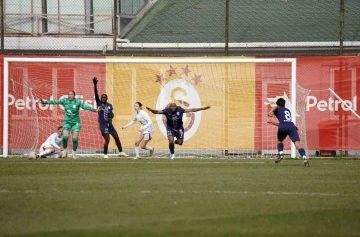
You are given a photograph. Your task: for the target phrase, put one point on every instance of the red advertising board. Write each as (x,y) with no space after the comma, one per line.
(328,96)
(30,122)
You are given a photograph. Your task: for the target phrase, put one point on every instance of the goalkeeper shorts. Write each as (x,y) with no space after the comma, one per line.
(72,127)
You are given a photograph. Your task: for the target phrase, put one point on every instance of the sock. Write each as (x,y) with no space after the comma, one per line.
(172,148)
(106,146)
(106,143)
(75,143)
(148,148)
(43,153)
(65,141)
(118,144)
(137,150)
(280,147)
(302,152)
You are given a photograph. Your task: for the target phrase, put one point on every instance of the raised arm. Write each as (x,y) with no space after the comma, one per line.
(154,111)
(196,109)
(97,98)
(52,102)
(271,112)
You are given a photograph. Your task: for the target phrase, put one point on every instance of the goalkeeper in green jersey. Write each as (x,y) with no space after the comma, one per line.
(72,121)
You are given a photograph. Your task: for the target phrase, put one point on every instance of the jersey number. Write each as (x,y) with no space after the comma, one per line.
(287,115)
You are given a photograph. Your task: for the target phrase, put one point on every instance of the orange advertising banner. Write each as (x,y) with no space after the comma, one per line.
(190,86)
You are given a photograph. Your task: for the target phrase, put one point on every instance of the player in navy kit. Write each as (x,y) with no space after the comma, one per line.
(105,120)
(286,128)
(174,124)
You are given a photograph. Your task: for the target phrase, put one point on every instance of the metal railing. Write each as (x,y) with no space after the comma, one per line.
(31,24)
(162,27)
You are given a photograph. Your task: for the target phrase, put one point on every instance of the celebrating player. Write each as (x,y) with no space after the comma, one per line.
(48,148)
(72,121)
(174,124)
(146,131)
(105,120)
(286,128)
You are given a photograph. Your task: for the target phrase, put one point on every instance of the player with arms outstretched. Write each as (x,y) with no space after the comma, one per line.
(72,121)
(106,115)
(174,124)
(286,128)
(146,131)
(48,148)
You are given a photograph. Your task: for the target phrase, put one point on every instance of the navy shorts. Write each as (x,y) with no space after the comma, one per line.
(178,132)
(290,131)
(107,129)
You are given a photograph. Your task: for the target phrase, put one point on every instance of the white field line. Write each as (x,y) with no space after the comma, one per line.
(249,192)
(133,162)
(115,157)
(147,161)
(185,192)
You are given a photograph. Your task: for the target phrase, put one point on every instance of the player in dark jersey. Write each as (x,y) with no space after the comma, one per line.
(174,124)
(106,115)
(286,128)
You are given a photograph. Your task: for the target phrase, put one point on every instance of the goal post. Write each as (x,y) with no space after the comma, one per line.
(167,77)
(5,148)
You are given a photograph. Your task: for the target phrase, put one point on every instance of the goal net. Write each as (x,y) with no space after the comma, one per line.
(240,92)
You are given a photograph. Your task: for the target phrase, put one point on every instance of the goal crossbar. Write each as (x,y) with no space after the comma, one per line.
(7,60)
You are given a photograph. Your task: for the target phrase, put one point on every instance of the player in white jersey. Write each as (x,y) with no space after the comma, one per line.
(146,131)
(51,148)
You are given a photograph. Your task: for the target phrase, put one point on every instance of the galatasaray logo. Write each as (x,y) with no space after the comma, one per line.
(185,95)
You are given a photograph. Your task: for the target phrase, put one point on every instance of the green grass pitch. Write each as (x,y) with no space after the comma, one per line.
(186,197)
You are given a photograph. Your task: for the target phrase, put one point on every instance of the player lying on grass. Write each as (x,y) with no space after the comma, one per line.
(286,128)
(51,148)
(106,115)
(72,121)
(146,131)
(174,124)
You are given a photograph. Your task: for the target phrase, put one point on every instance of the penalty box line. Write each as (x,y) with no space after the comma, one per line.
(271,193)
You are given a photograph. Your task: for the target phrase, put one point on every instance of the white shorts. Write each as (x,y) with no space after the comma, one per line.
(148,135)
(44,145)
(51,155)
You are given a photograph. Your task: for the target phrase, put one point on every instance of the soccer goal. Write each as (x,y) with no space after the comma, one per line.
(239,90)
